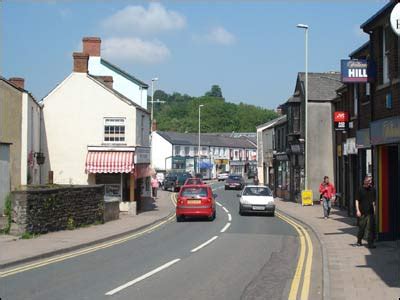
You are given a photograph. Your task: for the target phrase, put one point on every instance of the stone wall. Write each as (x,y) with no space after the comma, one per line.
(111,210)
(42,209)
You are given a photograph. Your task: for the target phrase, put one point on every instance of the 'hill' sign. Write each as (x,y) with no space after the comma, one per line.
(354,70)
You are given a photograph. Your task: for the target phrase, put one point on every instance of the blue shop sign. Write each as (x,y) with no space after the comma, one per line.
(385,131)
(355,70)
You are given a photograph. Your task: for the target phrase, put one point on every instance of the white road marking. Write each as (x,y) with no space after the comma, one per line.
(204,244)
(147,275)
(223,207)
(219,204)
(229,217)
(225,227)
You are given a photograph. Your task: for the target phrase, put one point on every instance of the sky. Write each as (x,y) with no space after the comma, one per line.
(251,49)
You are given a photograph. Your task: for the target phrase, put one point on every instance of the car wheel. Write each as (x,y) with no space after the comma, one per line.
(273,214)
(226,188)
(212,218)
(179,219)
(240,210)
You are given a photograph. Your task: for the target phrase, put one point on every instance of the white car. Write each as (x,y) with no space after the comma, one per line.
(256,199)
(222,176)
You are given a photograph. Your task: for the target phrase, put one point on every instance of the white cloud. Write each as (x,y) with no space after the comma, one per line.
(135,50)
(217,35)
(137,19)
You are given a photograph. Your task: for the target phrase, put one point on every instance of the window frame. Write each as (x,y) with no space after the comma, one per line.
(112,120)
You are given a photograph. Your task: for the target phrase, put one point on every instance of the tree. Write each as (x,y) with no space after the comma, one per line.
(214,92)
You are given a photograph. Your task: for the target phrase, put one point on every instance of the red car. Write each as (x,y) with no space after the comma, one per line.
(195,201)
(193,181)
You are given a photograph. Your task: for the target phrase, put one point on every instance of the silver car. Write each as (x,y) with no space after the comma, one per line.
(256,199)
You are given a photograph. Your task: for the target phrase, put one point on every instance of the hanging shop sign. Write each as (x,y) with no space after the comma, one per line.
(395,19)
(354,70)
(363,138)
(341,120)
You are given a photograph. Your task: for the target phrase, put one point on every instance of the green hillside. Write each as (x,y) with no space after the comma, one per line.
(180,113)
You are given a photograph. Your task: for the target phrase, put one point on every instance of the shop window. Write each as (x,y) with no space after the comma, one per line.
(114,130)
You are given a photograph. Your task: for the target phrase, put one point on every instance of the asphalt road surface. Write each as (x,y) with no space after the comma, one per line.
(254,258)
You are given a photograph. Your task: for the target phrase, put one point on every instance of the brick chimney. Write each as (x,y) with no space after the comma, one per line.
(80,62)
(91,46)
(17,81)
(107,80)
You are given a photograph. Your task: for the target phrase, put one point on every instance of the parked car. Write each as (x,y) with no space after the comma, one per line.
(195,201)
(174,181)
(222,176)
(193,181)
(256,199)
(234,182)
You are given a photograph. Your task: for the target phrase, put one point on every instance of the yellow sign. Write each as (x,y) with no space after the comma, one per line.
(307,197)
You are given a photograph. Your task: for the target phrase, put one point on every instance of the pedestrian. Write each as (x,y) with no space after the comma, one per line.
(256,181)
(365,210)
(154,185)
(327,192)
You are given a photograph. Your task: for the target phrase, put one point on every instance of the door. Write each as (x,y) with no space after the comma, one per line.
(5,182)
(394,201)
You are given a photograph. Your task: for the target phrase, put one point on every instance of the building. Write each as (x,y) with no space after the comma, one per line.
(352,146)
(266,150)
(20,155)
(291,143)
(179,151)
(93,134)
(125,83)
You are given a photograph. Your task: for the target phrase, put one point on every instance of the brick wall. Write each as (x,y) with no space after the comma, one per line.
(42,210)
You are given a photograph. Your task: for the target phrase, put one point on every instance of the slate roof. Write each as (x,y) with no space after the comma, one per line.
(384,10)
(124,73)
(321,86)
(192,139)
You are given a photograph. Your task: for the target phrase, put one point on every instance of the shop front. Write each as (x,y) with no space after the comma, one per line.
(282,178)
(385,139)
(237,167)
(221,165)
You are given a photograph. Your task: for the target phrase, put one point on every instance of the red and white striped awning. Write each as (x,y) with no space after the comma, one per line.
(109,162)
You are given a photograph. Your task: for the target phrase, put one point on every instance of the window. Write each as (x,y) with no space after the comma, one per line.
(114,130)
(196,149)
(355,98)
(177,150)
(389,101)
(385,52)
(187,150)
(204,150)
(142,131)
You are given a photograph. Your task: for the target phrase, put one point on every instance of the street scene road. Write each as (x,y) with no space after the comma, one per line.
(254,257)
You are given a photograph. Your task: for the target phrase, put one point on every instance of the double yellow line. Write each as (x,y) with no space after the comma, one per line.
(105,245)
(304,262)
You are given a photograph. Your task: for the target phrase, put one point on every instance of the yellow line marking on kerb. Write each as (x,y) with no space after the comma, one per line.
(105,245)
(305,242)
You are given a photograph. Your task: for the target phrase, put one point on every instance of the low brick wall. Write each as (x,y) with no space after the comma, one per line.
(43,209)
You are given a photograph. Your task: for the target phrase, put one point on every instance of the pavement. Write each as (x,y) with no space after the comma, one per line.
(350,272)
(15,251)
(232,257)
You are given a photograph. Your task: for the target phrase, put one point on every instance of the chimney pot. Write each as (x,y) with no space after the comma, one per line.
(91,46)
(107,80)
(80,62)
(18,82)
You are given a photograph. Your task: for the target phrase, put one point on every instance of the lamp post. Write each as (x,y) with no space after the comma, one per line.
(305,27)
(152,100)
(198,151)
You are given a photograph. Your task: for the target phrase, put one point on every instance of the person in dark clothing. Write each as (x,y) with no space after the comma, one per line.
(365,209)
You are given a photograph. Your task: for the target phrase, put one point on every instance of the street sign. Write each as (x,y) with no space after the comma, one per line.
(395,19)
(307,198)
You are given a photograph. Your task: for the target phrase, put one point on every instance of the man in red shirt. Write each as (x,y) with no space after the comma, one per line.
(327,192)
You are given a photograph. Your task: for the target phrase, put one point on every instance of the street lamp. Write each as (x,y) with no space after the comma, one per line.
(198,151)
(152,99)
(305,27)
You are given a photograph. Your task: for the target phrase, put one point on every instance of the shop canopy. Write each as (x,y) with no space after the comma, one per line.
(109,162)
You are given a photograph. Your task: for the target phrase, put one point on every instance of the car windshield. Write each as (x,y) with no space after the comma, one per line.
(257,191)
(235,177)
(194,192)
